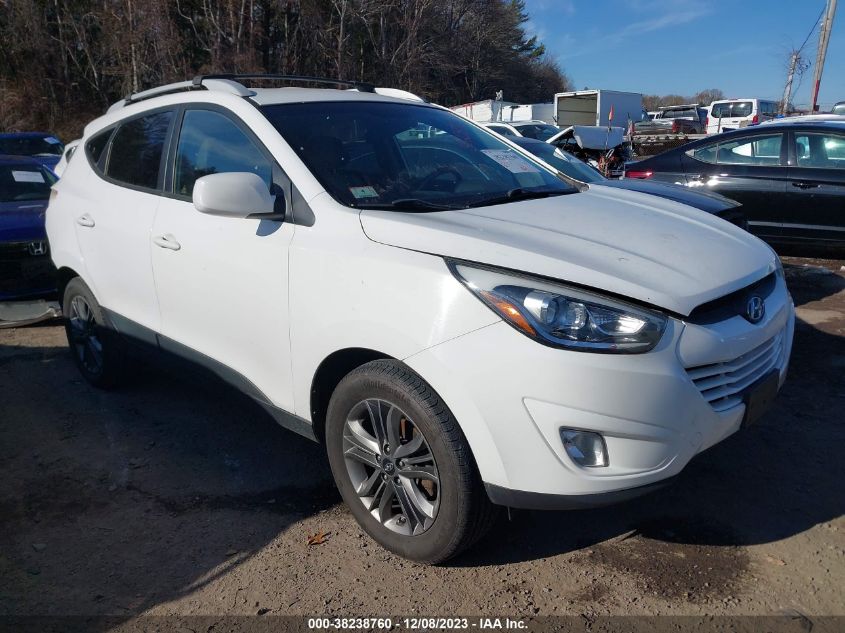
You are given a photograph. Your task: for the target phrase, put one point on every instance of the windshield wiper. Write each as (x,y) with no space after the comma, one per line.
(410,204)
(519,194)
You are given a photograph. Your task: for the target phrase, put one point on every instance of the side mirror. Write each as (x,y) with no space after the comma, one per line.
(234,195)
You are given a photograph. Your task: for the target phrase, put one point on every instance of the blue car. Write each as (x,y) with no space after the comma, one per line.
(43,147)
(26,269)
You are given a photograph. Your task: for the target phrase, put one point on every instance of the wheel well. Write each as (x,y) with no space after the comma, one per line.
(64,276)
(329,374)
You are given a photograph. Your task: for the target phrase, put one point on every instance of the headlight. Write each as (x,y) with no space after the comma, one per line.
(561,316)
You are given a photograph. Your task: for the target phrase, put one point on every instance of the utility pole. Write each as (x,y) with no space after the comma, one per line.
(787,91)
(824,39)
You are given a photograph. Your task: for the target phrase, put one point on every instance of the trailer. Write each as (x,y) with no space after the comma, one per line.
(485,111)
(593,107)
(490,110)
(529,112)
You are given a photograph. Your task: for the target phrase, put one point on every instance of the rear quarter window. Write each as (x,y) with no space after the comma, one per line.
(95,148)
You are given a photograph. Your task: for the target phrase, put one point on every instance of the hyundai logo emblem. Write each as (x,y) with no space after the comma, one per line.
(37,248)
(755,309)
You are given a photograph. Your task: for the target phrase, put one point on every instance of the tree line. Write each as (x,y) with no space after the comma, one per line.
(705,98)
(62,62)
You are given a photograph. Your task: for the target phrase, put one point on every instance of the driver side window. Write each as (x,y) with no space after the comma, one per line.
(211,143)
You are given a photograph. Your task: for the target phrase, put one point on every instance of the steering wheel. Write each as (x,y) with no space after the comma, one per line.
(445,170)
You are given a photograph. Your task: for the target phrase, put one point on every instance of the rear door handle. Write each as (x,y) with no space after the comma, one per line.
(85,220)
(167,241)
(805,185)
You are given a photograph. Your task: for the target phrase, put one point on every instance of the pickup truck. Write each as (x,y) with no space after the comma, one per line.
(680,119)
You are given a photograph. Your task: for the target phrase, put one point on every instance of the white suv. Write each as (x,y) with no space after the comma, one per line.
(461,326)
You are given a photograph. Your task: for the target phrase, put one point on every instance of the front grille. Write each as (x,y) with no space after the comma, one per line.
(14,251)
(722,384)
(22,272)
(733,304)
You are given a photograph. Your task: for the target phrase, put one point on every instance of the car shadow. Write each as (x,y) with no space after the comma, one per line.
(114,502)
(765,483)
(811,283)
(145,494)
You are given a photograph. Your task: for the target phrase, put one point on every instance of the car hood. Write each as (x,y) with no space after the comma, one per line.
(22,221)
(705,200)
(650,249)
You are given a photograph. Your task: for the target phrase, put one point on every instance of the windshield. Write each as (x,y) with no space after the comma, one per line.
(31,146)
(24,182)
(731,109)
(563,161)
(408,157)
(540,131)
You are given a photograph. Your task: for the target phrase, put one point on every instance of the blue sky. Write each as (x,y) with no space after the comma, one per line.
(683,46)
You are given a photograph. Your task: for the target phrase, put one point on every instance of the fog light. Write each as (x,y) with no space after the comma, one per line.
(584,447)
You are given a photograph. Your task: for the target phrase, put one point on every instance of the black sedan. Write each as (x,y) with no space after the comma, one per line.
(789,178)
(575,168)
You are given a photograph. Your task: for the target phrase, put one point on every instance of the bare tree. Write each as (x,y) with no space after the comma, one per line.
(63,61)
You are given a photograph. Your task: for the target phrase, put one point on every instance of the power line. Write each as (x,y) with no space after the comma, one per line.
(812,30)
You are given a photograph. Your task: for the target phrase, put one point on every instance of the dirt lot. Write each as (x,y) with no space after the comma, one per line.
(177,496)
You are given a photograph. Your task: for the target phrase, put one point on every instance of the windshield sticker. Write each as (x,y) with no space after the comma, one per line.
(27,176)
(511,161)
(52,140)
(363,192)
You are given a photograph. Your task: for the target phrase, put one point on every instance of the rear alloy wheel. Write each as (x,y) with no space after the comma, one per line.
(84,342)
(402,464)
(95,349)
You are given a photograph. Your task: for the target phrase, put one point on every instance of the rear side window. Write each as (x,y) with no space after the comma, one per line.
(137,148)
(823,151)
(759,150)
(732,109)
(211,143)
(679,114)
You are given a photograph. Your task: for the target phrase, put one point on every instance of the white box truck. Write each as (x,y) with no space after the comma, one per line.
(592,107)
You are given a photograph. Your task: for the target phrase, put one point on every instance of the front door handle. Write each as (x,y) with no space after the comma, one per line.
(167,241)
(85,220)
(805,185)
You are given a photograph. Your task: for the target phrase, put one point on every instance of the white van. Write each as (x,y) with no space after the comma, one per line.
(730,114)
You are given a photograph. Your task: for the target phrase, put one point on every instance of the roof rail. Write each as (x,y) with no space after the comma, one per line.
(359,85)
(182,86)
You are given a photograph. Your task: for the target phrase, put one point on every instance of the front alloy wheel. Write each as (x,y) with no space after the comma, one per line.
(391,467)
(403,465)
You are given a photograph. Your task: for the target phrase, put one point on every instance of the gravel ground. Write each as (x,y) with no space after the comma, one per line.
(175,495)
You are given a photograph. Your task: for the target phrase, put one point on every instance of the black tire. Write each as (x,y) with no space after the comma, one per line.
(464,513)
(96,349)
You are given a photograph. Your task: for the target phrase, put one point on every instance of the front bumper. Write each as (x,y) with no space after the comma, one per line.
(512,396)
